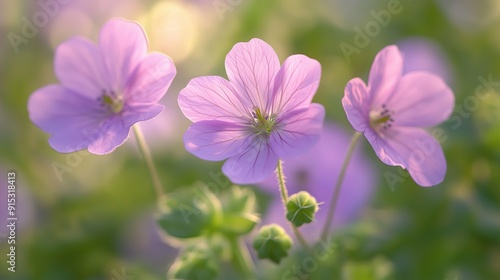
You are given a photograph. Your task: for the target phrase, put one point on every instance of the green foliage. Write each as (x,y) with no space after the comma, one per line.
(185,215)
(239,211)
(194,212)
(196,262)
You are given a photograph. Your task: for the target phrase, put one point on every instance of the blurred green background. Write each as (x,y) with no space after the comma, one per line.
(84,216)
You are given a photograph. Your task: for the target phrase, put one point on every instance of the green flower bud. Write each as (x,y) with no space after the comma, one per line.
(272,243)
(301,208)
(189,212)
(196,262)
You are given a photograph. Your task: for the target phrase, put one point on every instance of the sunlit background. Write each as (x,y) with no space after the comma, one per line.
(82,216)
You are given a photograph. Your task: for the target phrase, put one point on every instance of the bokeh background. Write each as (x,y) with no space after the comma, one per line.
(83,216)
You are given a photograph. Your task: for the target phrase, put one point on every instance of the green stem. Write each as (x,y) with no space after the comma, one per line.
(143,147)
(284,198)
(241,258)
(338,185)
(282,184)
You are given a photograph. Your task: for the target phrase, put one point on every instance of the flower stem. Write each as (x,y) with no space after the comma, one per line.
(241,257)
(284,198)
(143,147)
(338,185)
(282,183)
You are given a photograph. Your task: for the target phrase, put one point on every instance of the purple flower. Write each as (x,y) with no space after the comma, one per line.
(316,172)
(262,114)
(104,89)
(392,110)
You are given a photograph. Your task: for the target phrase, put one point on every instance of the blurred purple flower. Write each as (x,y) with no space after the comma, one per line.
(316,172)
(422,54)
(104,89)
(262,114)
(392,110)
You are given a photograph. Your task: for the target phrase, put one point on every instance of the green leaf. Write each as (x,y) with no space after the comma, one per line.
(239,216)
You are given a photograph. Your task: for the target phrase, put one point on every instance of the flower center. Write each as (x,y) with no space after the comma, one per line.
(113,102)
(262,124)
(381,119)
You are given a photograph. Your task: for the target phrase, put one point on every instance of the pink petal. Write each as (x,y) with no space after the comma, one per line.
(216,140)
(296,83)
(252,166)
(385,73)
(79,67)
(114,131)
(140,112)
(67,116)
(356,104)
(212,98)
(150,79)
(300,132)
(421,99)
(251,68)
(123,45)
(108,136)
(383,150)
(413,149)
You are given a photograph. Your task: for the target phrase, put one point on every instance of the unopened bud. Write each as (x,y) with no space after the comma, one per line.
(301,208)
(272,243)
